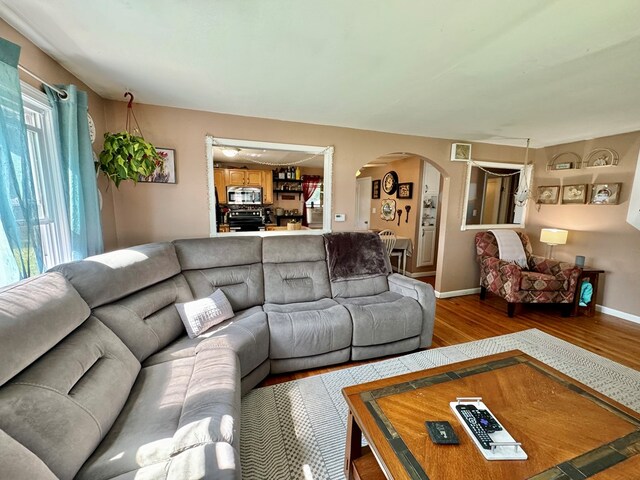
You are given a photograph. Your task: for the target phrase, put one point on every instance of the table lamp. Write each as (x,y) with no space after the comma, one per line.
(553,237)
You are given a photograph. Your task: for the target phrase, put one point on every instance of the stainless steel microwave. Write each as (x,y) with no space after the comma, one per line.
(244,195)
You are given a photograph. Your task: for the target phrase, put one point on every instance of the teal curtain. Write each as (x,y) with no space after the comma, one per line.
(20,245)
(79,174)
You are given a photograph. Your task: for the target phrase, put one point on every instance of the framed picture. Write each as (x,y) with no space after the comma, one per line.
(605,193)
(405,190)
(375,189)
(165,171)
(574,194)
(460,152)
(548,194)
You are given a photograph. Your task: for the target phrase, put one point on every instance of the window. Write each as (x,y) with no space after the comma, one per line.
(316,197)
(47,177)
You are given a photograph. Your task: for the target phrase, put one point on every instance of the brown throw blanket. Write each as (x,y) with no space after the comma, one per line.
(352,255)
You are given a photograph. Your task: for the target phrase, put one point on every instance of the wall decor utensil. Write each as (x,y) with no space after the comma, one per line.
(408,209)
(399,215)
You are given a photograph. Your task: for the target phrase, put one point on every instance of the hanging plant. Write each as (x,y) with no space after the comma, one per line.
(127,156)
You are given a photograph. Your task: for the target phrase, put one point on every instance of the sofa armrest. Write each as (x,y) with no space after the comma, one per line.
(421,292)
(565,272)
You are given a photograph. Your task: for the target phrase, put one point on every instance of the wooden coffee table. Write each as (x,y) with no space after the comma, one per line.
(568,430)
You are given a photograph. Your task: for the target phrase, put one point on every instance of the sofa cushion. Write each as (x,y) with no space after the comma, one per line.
(232,264)
(307,329)
(360,287)
(35,314)
(200,315)
(541,282)
(63,405)
(173,408)
(108,277)
(147,320)
(384,318)
(246,333)
(18,463)
(295,269)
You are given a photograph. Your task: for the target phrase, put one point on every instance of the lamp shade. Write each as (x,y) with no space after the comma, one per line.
(554,236)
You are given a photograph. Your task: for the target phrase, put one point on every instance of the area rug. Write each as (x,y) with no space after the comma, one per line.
(297,430)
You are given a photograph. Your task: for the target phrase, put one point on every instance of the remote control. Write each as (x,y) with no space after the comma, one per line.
(476,428)
(485,419)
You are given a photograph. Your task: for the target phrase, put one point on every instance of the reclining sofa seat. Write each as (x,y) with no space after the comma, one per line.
(187,400)
(390,313)
(307,327)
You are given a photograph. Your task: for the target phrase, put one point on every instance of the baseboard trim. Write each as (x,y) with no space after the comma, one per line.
(618,313)
(457,293)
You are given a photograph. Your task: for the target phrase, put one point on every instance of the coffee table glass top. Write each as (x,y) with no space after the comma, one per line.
(568,430)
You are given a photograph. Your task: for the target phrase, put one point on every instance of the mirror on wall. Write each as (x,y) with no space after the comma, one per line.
(268,187)
(490,195)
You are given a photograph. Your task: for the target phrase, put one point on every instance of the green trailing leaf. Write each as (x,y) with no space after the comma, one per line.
(126,157)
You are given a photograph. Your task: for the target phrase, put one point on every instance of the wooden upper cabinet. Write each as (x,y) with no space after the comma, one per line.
(240,177)
(267,187)
(235,177)
(253,178)
(220,184)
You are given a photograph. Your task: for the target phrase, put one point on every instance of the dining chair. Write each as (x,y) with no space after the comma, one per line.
(388,237)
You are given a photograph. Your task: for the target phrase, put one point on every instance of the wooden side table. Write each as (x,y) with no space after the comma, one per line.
(588,275)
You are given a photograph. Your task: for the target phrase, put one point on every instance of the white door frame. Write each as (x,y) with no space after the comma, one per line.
(363,189)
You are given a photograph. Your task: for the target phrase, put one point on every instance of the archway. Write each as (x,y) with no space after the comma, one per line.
(419,207)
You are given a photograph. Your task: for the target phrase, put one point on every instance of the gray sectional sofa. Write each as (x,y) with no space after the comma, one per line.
(98,379)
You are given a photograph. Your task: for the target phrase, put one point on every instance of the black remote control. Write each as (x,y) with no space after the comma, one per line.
(442,432)
(466,412)
(485,419)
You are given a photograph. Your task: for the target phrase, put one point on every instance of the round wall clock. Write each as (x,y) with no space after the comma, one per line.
(390,182)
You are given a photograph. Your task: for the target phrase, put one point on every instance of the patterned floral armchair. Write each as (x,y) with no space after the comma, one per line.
(545,280)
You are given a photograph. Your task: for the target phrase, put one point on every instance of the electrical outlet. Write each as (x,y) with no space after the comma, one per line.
(339,217)
(373,210)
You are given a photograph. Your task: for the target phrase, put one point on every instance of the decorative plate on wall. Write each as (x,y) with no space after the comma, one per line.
(390,182)
(388,209)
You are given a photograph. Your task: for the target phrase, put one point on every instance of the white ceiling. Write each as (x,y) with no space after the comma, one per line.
(486,70)
(269,158)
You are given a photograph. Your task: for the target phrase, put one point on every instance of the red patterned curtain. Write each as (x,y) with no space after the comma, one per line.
(309,185)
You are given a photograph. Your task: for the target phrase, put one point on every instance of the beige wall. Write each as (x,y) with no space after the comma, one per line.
(152,212)
(38,62)
(599,232)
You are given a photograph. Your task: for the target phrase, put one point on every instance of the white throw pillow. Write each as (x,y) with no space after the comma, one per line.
(200,315)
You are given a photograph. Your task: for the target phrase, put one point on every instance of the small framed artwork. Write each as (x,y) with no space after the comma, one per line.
(574,194)
(548,194)
(165,171)
(460,152)
(605,193)
(375,189)
(405,190)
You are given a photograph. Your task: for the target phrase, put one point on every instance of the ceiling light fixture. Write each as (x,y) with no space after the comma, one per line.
(230,151)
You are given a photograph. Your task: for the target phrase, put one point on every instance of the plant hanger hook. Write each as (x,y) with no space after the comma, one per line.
(131,114)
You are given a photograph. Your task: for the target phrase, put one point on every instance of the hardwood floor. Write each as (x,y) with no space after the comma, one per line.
(467,318)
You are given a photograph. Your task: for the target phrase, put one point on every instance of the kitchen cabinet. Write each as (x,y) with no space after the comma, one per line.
(267,187)
(239,177)
(220,184)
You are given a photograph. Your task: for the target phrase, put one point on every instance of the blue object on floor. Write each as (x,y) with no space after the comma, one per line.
(586,291)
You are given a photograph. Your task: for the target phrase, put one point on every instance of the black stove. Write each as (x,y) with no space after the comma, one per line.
(246,220)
